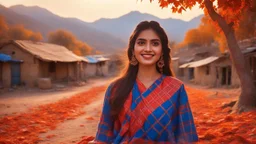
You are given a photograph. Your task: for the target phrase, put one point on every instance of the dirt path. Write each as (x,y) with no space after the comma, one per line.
(65,120)
(72,131)
(21,100)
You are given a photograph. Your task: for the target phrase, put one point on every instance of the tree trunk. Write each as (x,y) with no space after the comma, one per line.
(247,98)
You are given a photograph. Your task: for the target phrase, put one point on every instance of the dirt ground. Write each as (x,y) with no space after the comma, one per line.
(72,131)
(18,101)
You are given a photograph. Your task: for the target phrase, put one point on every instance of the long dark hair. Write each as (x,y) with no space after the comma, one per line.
(123,85)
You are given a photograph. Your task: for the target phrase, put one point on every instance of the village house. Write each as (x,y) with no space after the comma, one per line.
(212,71)
(39,60)
(97,65)
(218,71)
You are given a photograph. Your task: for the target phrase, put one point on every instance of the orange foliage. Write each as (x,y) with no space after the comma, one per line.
(230,9)
(3,28)
(193,36)
(67,39)
(17,32)
(203,35)
(222,43)
(246,26)
(26,127)
(207,33)
(198,36)
(216,125)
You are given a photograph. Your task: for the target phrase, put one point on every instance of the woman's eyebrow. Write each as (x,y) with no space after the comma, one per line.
(141,39)
(155,40)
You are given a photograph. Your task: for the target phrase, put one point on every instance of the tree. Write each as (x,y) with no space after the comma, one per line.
(226,14)
(198,37)
(17,32)
(210,28)
(67,39)
(3,28)
(193,36)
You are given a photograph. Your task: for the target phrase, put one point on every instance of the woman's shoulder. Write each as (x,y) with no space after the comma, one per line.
(111,86)
(173,80)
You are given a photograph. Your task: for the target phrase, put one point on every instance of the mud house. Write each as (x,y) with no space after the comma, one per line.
(39,60)
(97,65)
(212,71)
(218,71)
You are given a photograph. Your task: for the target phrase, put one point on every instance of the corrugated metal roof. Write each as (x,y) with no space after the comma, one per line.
(91,59)
(7,58)
(96,58)
(103,59)
(175,58)
(249,50)
(184,65)
(47,51)
(200,62)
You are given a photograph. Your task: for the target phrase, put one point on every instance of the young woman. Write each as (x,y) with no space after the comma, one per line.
(147,104)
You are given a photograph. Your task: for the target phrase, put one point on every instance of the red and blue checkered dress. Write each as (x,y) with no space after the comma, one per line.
(159,114)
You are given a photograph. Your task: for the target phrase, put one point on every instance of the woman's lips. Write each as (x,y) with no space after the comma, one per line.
(147,56)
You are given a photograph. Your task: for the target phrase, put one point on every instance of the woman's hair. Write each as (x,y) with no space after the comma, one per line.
(122,86)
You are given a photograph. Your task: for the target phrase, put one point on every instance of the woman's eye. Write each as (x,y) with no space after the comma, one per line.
(155,43)
(140,43)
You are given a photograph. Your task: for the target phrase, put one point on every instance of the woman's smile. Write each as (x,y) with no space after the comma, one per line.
(147,56)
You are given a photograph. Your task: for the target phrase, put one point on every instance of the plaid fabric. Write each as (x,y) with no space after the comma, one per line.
(159,114)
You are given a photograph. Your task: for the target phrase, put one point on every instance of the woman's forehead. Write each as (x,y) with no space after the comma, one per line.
(148,34)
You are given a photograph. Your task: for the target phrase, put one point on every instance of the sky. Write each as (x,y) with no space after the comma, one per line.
(91,10)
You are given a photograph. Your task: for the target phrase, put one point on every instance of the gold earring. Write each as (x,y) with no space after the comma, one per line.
(133,61)
(160,64)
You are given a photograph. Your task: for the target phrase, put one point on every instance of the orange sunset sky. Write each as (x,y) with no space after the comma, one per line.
(91,10)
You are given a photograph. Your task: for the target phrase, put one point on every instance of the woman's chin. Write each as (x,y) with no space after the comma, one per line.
(147,64)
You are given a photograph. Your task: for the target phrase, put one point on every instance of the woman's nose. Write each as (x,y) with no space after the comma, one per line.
(148,47)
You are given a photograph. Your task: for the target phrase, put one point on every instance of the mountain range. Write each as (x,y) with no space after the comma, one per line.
(106,35)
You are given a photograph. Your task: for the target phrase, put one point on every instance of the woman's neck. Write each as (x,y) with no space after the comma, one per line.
(148,73)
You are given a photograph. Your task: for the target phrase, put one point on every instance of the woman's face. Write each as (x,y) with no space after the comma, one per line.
(148,48)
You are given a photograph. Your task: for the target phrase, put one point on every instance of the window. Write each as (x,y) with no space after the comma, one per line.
(207,70)
(52,67)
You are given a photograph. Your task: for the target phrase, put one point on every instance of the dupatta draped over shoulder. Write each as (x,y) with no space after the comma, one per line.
(159,114)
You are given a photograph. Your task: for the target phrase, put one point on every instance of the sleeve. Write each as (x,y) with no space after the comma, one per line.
(105,127)
(186,130)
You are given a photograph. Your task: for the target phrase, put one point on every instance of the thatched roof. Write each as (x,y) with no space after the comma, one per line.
(46,51)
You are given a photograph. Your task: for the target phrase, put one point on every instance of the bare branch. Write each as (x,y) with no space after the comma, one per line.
(218,18)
